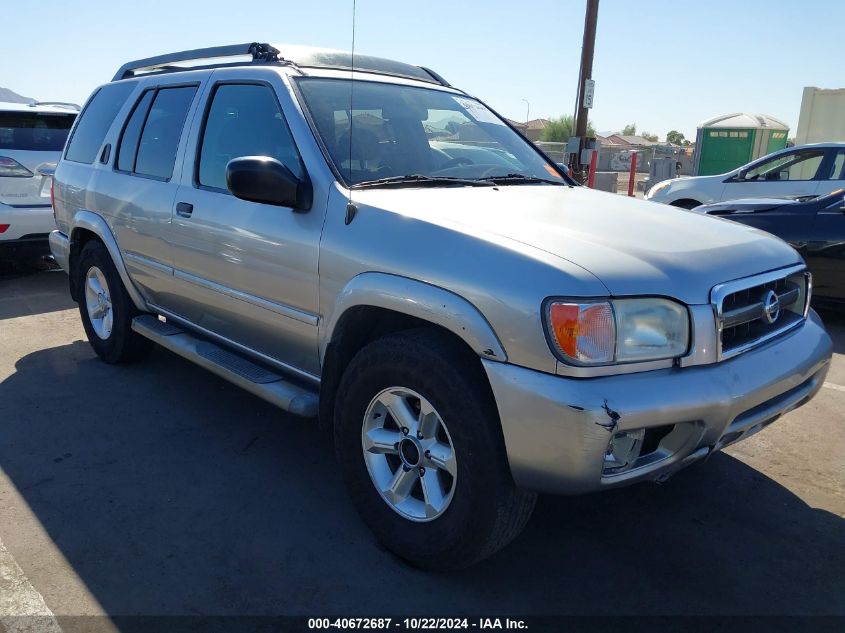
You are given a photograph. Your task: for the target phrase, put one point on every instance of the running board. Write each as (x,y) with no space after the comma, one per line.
(262,382)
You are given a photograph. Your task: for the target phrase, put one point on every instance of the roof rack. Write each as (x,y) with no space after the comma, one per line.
(310,57)
(259,53)
(298,56)
(60,104)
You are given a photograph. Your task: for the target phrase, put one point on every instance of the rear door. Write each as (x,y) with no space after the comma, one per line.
(30,140)
(786,175)
(137,191)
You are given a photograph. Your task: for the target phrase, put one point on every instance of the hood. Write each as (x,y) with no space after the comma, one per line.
(633,247)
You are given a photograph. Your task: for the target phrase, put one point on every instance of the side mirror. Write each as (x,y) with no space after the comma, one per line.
(266,180)
(741,174)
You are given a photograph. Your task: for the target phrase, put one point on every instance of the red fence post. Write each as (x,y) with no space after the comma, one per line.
(591,179)
(633,174)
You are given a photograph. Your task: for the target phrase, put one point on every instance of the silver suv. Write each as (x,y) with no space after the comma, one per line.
(380,251)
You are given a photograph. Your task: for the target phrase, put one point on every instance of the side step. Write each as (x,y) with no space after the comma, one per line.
(264,383)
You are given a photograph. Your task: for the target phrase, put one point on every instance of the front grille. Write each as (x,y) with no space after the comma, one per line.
(752,311)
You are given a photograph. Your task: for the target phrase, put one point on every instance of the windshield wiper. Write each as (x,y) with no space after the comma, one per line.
(509,179)
(421,179)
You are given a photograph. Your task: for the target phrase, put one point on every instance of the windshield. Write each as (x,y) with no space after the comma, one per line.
(34,131)
(399,131)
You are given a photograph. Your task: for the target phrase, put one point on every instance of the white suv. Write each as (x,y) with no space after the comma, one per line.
(794,172)
(32,137)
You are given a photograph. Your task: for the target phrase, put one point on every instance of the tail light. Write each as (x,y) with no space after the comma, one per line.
(4,227)
(10,168)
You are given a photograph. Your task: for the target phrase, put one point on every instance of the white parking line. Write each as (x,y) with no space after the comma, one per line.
(22,608)
(833,386)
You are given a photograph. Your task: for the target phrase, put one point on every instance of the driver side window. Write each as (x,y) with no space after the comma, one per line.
(801,165)
(244,120)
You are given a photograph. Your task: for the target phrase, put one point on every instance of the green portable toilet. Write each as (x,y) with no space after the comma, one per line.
(725,142)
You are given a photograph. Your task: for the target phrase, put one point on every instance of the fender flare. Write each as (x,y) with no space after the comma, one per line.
(90,221)
(418,299)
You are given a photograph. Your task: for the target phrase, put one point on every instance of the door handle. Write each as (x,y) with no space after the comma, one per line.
(184,209)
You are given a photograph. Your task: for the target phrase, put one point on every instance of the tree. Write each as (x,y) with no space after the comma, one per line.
(629,130)
(676,138)
(649,136)
(562,129)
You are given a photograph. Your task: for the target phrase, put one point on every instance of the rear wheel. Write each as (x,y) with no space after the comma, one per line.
(106,308)
(419,443)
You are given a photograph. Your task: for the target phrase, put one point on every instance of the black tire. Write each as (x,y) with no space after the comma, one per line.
(487,510)
(686,204)
(122,345)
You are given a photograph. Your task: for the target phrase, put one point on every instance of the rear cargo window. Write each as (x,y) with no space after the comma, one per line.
(95,121)
(34,131)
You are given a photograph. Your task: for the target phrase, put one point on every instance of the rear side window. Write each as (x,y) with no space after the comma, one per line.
(151,136)
(34,131)
(244,120)
(95,121)
(838,170)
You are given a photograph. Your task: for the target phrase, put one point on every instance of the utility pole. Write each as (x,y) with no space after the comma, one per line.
(587,50)
(582,113)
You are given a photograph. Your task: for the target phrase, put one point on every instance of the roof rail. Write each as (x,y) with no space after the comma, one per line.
(437,77)
(259,53)
(61,104)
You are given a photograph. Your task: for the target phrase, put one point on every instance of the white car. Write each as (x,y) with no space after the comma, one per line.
(32,137)
(793,172)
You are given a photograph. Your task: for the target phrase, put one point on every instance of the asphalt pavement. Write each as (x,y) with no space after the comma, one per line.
(159,489)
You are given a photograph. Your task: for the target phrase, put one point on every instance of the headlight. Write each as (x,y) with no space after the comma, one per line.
(617,331)
(657,187)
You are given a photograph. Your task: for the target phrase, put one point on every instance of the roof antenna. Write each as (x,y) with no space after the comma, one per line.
(351,209)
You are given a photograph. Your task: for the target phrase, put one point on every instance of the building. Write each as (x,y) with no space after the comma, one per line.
(626,140)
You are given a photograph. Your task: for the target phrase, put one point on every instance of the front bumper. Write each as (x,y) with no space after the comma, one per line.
(557,429)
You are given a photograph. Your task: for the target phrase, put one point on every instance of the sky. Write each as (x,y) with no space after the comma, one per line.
(662,64)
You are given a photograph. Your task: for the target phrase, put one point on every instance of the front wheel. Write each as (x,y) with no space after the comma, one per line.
(106,308)
(419,443)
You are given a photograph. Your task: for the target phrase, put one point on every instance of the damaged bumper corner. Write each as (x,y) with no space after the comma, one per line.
(557,429)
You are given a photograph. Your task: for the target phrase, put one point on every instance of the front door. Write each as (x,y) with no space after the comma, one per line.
(247,271)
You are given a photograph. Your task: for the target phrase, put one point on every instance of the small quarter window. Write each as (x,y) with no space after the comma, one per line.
(244,120)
